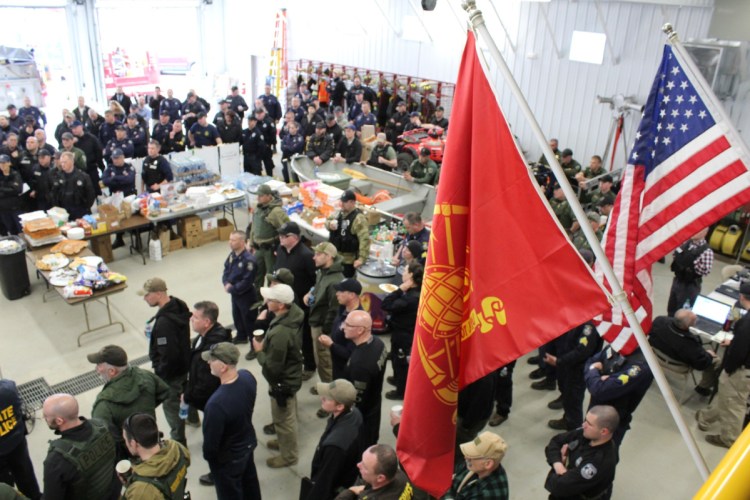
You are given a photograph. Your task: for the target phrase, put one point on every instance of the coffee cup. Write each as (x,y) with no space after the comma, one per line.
(124,468)
(258,334)
(397,410)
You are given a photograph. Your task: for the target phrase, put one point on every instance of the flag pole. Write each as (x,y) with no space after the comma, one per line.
(480,28)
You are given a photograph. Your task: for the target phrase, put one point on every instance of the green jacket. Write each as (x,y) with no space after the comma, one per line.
(168,466)
(361,229)
(10,493)
(323,310)
(580,241)
(423,174)
(281,357)
(267,219)
(134,390)
(571,169)
(563,212)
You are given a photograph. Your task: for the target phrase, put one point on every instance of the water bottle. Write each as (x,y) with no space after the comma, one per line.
(149,327)
(184,410)
(311,298)
(728,322)
(687,305)
(316,171)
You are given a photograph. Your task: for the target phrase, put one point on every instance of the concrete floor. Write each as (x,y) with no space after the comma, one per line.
(40,341)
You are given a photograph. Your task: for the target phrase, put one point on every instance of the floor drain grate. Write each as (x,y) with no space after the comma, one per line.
(34,393)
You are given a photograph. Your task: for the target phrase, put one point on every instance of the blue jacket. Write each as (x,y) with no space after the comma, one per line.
(239,271)
(126,145)
(120,179)
(292,145)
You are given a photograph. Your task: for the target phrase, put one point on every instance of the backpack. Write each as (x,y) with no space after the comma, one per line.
(683,262)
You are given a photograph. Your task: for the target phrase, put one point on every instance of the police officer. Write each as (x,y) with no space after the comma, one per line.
(121,141)
(422,170)
(253,146)
(43,177)
(348,149)
(562,209)
(238,280)
(119,177)
(293,143)
(577,236)
(107,129)
(162,129)
(572,351)
(271,103)
(349,233)
(15,462)
(202,134)
(268,129)
(619,381)
(569,166)
(92,150)
(237,102)
(383,155)
(137,134)
(190,110)
(11,185)
(333,130)
(81,463)
(583,461)
(72,189)
(365,118)
(171,105)
(268,216)
(156,170)
(319,146)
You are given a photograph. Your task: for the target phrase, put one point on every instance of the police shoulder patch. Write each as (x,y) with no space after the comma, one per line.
(623,378)
(80,183)
(588,471)
(587,330)
(250,266)
(584,341)
(634,370)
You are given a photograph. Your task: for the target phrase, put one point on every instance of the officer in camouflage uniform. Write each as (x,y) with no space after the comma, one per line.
(349,233)
(81,463)
(579,239)
(263,235)
(561,208)
(569,165)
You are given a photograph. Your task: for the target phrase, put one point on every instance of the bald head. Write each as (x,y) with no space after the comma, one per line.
(61,411)
(685,318)
(360,318)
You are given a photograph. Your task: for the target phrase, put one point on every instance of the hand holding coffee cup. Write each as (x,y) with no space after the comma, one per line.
(124,469)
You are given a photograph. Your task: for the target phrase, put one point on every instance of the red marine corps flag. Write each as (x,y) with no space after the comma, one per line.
(501,277)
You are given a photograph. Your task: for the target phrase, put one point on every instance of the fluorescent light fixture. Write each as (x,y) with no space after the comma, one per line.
(587,47)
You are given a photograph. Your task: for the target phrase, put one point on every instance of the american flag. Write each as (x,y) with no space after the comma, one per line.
(687,169)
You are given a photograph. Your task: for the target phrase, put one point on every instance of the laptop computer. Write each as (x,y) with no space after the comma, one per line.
(711,314)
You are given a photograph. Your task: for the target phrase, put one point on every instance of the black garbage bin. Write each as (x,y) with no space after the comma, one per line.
(14,275)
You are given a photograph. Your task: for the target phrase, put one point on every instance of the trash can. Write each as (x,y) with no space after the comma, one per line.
(14,275)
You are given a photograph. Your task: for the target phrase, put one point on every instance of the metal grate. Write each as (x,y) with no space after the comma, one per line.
(34,393)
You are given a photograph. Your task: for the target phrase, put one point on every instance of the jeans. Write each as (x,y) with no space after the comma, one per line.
(236,479)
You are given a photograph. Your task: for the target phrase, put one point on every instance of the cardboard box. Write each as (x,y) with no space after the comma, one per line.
(209,222)
(189,229)
(209,236)
(175,241)
(373,217)
(102,246)
(225,229)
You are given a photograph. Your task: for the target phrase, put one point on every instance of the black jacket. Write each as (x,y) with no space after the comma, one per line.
(402,308)
(300,262)
(10,190)
(201,384)
(169,347)
(334,464)
(678,344)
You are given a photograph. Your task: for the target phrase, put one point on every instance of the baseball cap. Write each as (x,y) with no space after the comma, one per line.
(594,216)
(164,112)
(67,136)
(605,201)
(401,103)
(745,288)
(338,108)
(110,354)
(330,117)
(4,159)
(117,153)
(202,114)
(440,108)
(348,195)
(280,293)
(486,445)
(340,390)
(424,152)
(567,152)
(120,126)
(226,352)
(327,248)
(348,285)
(606,178)
(320,125)
(132,116)
(290,227)
(76,123)
(350,127)
(153,285)
(264,189)
(415,248)
(381,137)
(414,113)
(11,106)
(44,152)
(282,275)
